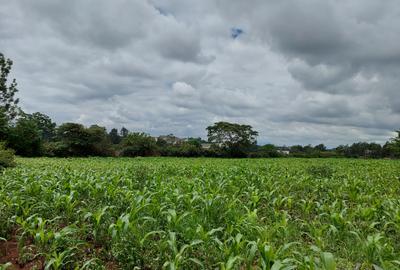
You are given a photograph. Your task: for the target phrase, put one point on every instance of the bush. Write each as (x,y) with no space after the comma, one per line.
(7,158)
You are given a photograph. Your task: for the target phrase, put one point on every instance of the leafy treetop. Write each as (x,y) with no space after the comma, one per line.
(8,103)
(234,138)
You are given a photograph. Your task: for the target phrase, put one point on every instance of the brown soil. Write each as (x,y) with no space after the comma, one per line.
(9,253)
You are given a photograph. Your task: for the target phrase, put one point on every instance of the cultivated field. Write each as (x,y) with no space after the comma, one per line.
(176,213)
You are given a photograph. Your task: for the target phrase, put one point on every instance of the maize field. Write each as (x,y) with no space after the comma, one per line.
(181,213)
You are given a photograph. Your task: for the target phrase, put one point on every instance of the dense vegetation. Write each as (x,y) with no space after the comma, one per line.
(36,135)
(6,157)
(202,213)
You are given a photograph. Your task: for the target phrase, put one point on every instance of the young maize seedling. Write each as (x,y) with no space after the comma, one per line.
(178,254)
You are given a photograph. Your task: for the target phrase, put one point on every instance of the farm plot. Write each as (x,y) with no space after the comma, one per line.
(153,213)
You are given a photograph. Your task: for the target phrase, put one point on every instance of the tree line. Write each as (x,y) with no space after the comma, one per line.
(37,135)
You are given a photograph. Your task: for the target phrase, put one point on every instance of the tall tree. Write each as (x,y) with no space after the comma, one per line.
(72,139)
(320,147)
(75,140)
(124,132)
(114,136)
(45,125)
(8,102)
(99,142)
(233,138)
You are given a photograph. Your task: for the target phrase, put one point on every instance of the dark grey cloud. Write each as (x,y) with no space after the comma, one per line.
(299,71)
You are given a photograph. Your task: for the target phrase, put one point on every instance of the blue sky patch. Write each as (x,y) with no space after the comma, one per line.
(235,32)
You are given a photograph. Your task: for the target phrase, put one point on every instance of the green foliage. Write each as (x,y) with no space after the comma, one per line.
(115,138)
(47,128)
(29,134)
(267,150)
(7,158)
(124,132)
(75,140)
(361,149)
(25,136)
(392,147)
(4,125)
(154,213)
(8,103)
(138,144)
(99,143)
(186,149)
(235,139)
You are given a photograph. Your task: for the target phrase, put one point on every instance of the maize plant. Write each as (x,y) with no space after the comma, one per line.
(183,213)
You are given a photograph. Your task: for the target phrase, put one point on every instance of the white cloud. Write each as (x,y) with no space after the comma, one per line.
(301,71)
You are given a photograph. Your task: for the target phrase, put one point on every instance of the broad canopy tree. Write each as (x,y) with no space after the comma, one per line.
(72,140)
(235,139)
(76,140)
(25,136)
(46,126)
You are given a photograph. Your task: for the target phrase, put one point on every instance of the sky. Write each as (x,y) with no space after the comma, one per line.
(299,72)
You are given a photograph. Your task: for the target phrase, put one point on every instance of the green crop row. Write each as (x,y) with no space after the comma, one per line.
(171,213)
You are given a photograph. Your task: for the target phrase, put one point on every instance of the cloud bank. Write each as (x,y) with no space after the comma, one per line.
(300,72)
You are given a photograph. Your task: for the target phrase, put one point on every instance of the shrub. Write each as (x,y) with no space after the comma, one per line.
(6,157)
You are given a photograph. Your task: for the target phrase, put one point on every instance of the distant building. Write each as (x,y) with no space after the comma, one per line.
(171,139)
(283,150)
(206,145)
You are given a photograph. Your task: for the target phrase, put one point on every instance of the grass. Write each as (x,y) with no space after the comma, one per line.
(153,213)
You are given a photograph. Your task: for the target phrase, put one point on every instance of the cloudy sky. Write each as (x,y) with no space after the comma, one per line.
(299,72)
